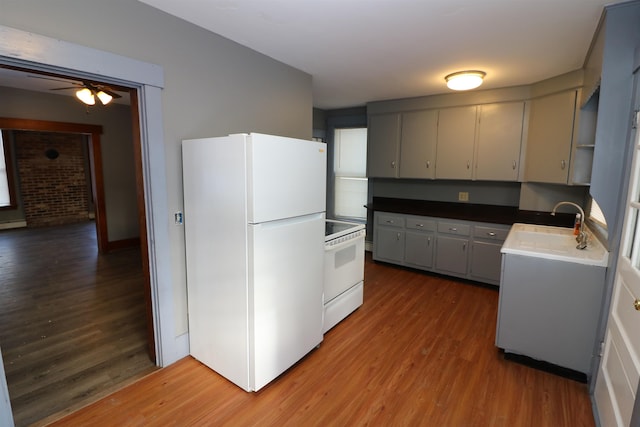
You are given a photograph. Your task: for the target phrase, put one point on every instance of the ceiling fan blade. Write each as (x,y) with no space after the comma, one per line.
(65,88)
(52,79)
(110,93)
(97,87)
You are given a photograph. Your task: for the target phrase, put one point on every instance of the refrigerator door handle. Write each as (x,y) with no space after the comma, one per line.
(290,221)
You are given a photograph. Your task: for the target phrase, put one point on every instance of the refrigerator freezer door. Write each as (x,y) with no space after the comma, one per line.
(287,177)
(286,279)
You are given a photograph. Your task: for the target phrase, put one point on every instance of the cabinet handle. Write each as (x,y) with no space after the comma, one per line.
(428,164)
(393,165)
(491,234)
(419,225)
(453,229)
(389,221)
(636,304)
(398,236)
(464,247)
(514,165)
(429,244)
(563,164)
(468,164)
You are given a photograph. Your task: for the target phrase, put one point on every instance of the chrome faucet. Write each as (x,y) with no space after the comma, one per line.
(581,238)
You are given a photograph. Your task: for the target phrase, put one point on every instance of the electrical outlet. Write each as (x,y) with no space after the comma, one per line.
(463,196)
(177,218)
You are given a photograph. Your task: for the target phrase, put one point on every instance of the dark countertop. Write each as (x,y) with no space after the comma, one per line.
(469,212)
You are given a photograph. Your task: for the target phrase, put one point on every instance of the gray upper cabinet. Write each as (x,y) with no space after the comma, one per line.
(499,141)
(383,145)
(418,144)
(456,137)
(550,138)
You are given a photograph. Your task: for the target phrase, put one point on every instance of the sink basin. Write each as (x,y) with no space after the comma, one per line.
(556,243)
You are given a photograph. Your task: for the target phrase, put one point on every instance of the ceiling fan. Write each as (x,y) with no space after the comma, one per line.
(86,91)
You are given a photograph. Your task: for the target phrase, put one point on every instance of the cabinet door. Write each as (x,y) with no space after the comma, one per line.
(499,141)
(382,145)
(456,135)
(486,261)
(550,136)
(452,255)
(418,144)
(419,249)
(389,244)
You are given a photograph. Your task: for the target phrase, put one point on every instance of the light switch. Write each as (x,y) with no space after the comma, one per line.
(177,217)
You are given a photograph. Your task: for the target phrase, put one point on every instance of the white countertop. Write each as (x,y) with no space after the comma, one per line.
(555,243)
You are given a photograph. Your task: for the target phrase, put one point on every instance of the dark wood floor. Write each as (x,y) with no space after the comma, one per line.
(419,352)
(73,321)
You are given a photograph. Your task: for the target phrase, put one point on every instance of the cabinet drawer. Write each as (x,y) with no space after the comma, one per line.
(420,223)
(490,233)
(390,220)
(454,228)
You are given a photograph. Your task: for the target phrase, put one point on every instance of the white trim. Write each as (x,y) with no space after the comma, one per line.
(6,417)
(48,54)
(156,206)
(27,50)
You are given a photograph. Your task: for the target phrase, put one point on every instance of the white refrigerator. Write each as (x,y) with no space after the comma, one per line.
(254,215)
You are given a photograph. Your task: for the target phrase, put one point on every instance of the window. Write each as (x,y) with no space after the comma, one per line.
(596,214)
(350,172)
(5,190)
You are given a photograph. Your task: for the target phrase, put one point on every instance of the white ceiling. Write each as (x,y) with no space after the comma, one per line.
(367,50)
(358,51)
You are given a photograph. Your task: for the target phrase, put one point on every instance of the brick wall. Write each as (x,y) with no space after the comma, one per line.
(54,191)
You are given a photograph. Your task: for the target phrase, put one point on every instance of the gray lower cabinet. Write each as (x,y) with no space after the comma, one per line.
(420,241)
(549,310)
(484,267)
(457,248)
(485,264)
(389,234)
(419,249)
(452,255)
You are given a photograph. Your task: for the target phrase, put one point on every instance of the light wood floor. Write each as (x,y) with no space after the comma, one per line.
(73,321)
(419,352)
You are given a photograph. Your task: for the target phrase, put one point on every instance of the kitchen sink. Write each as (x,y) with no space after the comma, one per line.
(554,243)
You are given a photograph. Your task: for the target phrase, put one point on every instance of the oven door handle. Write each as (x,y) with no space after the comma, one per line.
(329,248)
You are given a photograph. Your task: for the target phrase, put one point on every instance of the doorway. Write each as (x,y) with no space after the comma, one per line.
(67,275)
(49,55)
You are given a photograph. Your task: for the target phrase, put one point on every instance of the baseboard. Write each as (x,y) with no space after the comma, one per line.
(123,244)
(547,367)
(12,224)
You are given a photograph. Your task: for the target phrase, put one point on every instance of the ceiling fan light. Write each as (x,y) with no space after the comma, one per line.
(465,80)
(86,96)
(104,97)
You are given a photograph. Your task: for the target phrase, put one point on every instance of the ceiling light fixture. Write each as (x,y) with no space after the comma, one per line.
(465,80)
(85,95)
(104,97)
(88,96)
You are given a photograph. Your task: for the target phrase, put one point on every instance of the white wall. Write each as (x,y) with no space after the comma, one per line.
(212,86)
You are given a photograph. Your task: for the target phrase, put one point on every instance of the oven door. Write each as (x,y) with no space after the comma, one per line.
(343,267)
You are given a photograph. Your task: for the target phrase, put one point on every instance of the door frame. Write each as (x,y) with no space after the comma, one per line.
(28,50)
(615,253)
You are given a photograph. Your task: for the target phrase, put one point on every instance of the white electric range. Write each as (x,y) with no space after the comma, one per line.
(343,270)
